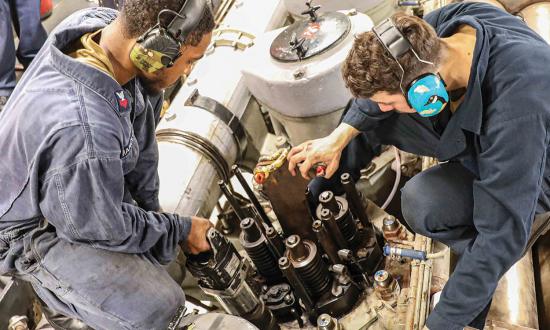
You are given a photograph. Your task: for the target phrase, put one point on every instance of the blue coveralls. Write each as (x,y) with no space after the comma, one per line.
(26,19)
(482,202)
(73,141)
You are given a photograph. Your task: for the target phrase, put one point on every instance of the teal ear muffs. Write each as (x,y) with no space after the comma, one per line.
(426,94)
(160,46)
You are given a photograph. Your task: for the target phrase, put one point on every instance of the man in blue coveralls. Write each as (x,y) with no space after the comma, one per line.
(470,86)
(26,20)
(79,212)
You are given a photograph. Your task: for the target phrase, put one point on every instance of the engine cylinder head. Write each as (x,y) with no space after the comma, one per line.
(308,265)
(256,246)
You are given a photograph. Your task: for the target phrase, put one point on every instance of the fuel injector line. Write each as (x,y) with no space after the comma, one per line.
(259,209)
(355,201)
(326,241)
(328,218)
(301,292)
(231,199)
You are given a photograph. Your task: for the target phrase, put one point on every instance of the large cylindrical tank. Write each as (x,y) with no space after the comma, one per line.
(377,10)
(304,97)
(189,135)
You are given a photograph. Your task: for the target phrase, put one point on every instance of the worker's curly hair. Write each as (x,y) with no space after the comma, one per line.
(369,68)
(138,16)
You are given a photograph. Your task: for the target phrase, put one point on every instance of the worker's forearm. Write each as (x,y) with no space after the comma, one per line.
(343,134)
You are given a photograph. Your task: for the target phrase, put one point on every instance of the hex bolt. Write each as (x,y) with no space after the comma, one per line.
(298,250)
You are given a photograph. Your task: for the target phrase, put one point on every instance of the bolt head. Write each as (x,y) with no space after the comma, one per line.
(324,320)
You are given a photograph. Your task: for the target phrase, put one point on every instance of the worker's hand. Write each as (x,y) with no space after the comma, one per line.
(309,153)
(196,240)
(327,150)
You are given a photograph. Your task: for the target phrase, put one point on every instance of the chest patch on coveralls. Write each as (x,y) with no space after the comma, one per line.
(122,101)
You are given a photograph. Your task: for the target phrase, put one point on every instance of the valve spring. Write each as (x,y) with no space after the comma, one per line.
(315,276)
(348,228)
(265,262)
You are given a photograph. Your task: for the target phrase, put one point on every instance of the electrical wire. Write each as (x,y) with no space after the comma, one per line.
(397,179)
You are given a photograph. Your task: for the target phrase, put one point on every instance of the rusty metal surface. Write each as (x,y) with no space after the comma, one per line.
(287,196)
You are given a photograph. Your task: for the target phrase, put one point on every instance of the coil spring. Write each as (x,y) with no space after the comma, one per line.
(348,228)
(315,276)
(265,262)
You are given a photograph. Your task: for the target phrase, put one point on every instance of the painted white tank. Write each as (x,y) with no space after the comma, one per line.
(311,88)
(377,10)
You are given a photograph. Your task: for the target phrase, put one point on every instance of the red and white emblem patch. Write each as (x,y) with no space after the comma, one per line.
(122,100)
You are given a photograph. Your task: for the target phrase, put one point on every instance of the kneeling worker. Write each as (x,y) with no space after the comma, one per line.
(79,212)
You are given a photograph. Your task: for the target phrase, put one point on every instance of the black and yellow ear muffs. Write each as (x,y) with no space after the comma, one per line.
(160,46)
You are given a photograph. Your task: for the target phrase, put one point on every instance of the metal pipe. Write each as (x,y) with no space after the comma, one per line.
(411,295)
(326,241)
(419,286)
(426,284)
(261,212)
(514,302)
(300,289)
(187,176)
(276,241)
(355,201)
(231,199)
(328,219)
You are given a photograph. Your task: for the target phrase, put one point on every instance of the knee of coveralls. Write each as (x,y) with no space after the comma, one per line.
(357,154)
(418,207)
(106,290)
(438,203)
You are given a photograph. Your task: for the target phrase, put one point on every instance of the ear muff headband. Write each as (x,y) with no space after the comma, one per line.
(161,45)
(426,94)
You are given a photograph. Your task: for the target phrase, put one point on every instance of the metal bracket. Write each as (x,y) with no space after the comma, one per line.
(232,38)
(224,114)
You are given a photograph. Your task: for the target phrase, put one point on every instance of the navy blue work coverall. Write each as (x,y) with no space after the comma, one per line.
(73,141)
(482,202)
(26,20)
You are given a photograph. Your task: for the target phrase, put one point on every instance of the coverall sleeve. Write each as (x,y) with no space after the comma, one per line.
(511,164)
(364,115)
(84,203)
(143,180)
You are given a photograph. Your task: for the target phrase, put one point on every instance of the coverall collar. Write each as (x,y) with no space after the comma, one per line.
(469,115)
(97,81)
